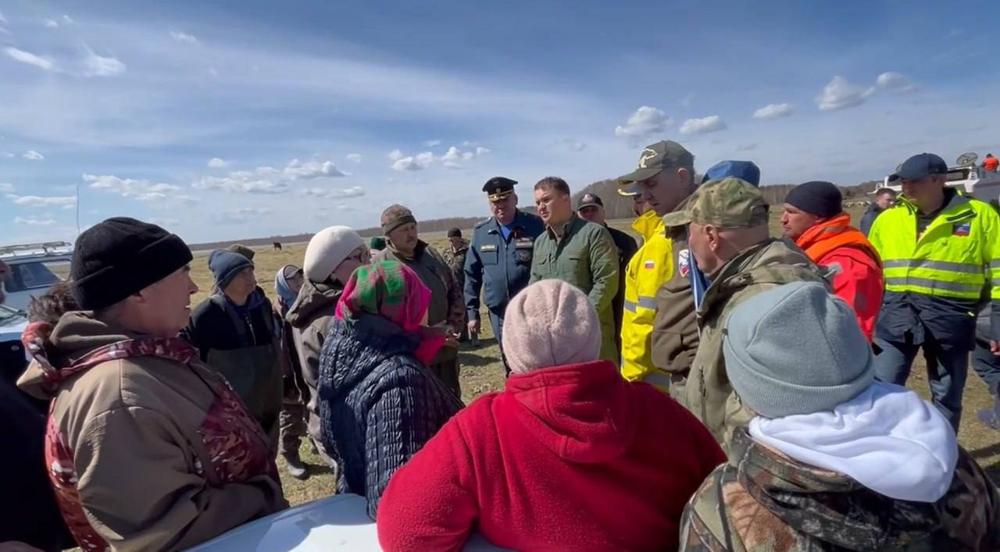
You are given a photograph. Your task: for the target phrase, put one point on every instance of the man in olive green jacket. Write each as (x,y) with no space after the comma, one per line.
(578,252)
(729,237)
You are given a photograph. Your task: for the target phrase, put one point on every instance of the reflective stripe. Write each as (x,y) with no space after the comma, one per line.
(996,282)
(995,264)
(965,268)
(933,284)
(644,302)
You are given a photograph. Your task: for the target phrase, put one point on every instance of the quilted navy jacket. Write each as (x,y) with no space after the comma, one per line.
(378,404)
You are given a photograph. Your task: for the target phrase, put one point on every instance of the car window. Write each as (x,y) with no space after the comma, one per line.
(35,274)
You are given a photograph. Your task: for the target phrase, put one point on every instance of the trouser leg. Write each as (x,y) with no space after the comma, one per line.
(947,381)
(496,322)
(447,372)
(987,366)
(894,360)
(292,423)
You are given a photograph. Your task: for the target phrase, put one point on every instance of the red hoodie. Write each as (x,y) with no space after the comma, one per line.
(566,458)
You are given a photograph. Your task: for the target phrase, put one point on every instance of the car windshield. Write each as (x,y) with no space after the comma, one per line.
(6,313)
(35,274)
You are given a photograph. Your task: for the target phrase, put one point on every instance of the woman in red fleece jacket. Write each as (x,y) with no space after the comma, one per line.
(569,456)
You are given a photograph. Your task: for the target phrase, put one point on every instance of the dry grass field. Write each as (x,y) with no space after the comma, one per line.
(482,373)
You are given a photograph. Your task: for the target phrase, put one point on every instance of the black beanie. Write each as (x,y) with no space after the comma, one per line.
(122,256)
(819,198)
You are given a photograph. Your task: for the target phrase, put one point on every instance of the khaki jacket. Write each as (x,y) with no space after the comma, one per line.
(148,452)
(758,269)
(310,316)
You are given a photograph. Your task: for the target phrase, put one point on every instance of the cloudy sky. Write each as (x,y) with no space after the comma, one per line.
(245,118)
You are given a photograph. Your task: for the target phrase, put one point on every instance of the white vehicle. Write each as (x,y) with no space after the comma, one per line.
(339,522)
(32,269)
(13,358)
(969,177)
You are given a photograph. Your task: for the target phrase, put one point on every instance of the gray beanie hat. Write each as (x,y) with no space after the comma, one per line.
(796,349)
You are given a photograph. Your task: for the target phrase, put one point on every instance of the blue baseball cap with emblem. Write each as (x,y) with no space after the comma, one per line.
(920,166)
(746,171)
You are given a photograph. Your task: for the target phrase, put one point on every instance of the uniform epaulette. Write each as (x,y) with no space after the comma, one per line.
(483,223)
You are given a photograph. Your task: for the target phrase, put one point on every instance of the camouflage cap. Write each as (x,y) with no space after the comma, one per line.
(654,158)
(727,203)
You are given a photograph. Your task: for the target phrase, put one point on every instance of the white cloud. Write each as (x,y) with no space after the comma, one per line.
(184,37)
(38,201)
(311,169)
(747,147)
(263,180)
(774,111)
(840,94)
(704,125)
(140,190)
(244,214)
(6,155)
(29,58)
(99,66)
(3,19)
(452,157)
(481,151)
(413,163)
(164,222)
(395,155)
(51,23)
(353,157)
(32,155)
(895,82)
(217,163)
(432,143)
(6,187)
(644,122)
(32,221)
(68,20)
(353,191)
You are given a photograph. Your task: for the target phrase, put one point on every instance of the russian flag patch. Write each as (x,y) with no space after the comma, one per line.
(649,264)
(961,229)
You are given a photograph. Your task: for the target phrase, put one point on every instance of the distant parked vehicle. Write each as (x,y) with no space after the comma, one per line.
(13,359)
(335,523)
(967,176)
(33,268)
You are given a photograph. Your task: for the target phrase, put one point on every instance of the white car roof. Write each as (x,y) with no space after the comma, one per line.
(339,522)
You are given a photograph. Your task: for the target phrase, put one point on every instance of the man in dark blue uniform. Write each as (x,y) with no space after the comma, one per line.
(500,255)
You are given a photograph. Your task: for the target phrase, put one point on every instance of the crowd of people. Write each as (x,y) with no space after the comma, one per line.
(711,387)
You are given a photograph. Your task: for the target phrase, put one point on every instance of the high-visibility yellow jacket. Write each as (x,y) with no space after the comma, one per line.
(941,276)
(650,267)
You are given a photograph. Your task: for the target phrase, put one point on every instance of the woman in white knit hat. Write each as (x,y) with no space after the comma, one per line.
(332,256)
(569,456)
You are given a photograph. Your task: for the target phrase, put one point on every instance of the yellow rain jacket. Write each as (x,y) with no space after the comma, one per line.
(649,269)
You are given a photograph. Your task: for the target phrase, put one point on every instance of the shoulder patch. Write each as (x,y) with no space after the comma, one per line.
(487,248)
(684,262)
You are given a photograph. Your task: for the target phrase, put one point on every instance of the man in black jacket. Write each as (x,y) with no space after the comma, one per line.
(884,198)
(591,208)
(235,332)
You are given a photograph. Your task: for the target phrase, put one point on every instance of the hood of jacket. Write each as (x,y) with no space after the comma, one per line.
(648,225)
(581,412)
(774,261)
(353,350)
(833,508)
(313,301)
(75,336)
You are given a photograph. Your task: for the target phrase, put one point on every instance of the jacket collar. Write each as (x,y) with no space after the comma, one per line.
(648,225)
(566,229)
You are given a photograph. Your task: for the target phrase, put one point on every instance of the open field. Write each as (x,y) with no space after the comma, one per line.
(482,373)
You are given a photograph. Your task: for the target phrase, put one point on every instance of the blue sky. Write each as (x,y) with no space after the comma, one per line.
(233,119)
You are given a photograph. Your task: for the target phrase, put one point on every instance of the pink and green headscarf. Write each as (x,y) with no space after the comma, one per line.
(393,291)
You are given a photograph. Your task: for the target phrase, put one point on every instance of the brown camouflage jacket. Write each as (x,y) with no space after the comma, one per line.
(762,501)
(456,262)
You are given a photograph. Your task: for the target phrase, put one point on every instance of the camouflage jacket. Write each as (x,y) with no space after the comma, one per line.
(762,501)
(708,394)
(456,262)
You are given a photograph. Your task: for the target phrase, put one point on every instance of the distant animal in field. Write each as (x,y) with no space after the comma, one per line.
(277,246)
